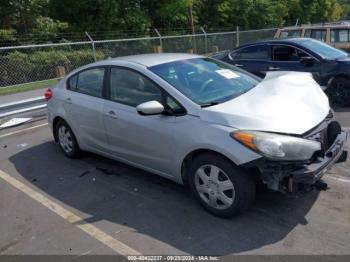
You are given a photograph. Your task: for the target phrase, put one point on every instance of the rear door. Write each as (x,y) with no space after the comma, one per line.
(83,103)
(254,59)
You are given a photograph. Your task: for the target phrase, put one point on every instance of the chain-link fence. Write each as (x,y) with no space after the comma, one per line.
(26,64)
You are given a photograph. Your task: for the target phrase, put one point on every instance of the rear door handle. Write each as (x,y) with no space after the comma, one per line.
(68,100)
(239,65)
(274,68)
(111,114)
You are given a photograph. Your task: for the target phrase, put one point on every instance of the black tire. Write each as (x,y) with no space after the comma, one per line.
(73,150)
(339,92)
(243,184)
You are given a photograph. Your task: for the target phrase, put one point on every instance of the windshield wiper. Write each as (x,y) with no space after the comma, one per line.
(209,104)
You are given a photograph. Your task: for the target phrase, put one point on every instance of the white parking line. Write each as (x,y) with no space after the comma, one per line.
(70,217)
(23,130)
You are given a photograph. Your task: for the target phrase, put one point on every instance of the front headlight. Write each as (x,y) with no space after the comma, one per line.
(277,147)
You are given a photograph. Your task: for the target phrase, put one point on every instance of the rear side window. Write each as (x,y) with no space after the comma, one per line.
(319,34)
(88,82)
(257,52)
(340,35)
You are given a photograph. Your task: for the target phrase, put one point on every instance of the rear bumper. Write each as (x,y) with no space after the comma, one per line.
(311,173)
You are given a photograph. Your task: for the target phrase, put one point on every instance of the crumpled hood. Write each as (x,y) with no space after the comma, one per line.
(284,102)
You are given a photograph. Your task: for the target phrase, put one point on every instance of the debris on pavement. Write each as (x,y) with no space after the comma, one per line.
(106,171)
(84,173)
(22,145)
(15,121)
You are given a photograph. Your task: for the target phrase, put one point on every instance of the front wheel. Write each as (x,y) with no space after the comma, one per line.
(221,187)
(339,92)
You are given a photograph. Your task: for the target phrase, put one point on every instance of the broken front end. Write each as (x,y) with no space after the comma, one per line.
(292,163)
(291,176)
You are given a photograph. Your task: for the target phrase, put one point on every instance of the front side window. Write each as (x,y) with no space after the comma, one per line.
(257,52)
(204,80)
(88,82)
(318,34)
(340,35)
(131,88)
(287,53)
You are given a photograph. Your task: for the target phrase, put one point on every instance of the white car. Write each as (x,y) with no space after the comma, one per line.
(199,121)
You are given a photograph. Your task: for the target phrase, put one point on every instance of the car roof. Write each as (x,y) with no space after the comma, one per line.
(154,59)
(279,41)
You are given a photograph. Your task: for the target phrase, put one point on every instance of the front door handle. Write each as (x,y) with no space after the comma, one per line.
(274,68)
(239,65)
(68,100)
(111,114)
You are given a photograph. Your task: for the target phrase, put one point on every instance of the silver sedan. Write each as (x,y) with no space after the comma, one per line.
(199,121)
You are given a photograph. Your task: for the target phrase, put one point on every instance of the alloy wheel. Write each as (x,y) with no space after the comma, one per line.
(340,94)
(65,139)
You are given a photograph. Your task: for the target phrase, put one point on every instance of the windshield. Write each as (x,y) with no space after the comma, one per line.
(322,49)
(204,80)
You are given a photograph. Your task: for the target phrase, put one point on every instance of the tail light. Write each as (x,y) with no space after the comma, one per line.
(48,94)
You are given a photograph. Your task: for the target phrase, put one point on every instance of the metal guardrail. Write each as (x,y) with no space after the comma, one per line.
(22,106)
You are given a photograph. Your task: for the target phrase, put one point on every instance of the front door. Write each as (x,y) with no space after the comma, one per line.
(288,58)
(143,140)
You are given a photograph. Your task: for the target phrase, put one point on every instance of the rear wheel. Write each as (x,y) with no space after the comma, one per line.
(67,140)
(222,188)
(339,92)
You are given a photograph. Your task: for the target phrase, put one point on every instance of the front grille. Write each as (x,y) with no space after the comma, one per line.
(325,133)
(324,139)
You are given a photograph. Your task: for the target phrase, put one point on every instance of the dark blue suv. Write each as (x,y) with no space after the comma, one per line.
(329,66)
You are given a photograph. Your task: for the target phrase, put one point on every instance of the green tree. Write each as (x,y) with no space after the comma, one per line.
(345,5)
(100,15)
(314,11)
(46,27)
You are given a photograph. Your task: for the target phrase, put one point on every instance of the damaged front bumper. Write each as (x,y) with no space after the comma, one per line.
(286,176)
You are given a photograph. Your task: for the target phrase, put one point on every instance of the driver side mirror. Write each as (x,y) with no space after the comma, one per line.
(150,108)
(307,60)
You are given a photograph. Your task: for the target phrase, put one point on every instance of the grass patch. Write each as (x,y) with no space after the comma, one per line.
(27,87)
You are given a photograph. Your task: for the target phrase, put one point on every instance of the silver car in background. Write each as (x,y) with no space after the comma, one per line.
(199,121)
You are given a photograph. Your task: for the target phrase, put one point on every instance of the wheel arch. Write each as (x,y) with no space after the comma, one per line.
(342,75)
(195,153)
(54,124)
